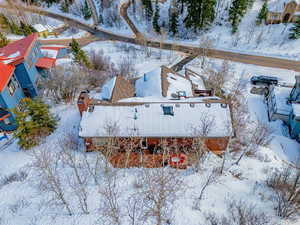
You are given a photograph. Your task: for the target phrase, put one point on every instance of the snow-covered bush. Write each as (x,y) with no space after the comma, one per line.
(239,213)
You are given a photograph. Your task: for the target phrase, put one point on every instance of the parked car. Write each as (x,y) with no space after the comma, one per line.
(264,80)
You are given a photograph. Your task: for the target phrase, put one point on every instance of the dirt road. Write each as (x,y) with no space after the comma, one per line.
(100,34)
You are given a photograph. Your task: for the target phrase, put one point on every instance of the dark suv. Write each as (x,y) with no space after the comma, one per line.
(264,80)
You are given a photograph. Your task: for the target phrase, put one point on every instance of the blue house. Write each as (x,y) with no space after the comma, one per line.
(294,116)
(20,63)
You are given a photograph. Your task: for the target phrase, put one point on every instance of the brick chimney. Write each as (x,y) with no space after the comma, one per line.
(83,102)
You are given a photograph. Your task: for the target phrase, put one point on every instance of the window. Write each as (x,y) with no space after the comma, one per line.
(100,141)
(12,85)
(168,110)
(33,55)
(143,143)
(11,88)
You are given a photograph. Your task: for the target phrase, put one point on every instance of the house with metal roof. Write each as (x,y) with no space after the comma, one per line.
(21,63)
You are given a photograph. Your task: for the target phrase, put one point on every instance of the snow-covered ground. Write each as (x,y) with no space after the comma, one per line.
(268,40)
(285,148)
(23,203)
(144,60)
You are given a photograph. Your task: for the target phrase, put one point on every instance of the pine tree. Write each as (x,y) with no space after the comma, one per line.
(32,29)
(201,13)
(262,15)
(148,9)
(79,55)
(14,28)
(64,6)
(86,11)
(34,123)
(3,40)
(173,23)
(74,46)
(295,30)
(155,24)
(236,13)
(26,29)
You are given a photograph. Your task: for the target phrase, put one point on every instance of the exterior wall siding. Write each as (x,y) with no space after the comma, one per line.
(27,73)
(11,101)
(62,53)
(23,75)
(127,152)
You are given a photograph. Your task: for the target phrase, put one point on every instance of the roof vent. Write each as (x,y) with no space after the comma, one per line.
(208,105)
(168,110)
(192,105)
(224,105)
(147,105)
(177,105)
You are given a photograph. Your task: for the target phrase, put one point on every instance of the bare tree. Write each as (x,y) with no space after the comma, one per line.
(237,127)
(100,61)
(201,131)
(112,15)
(205,45)
(63,83)
(217,79)
(93,166)
(260,135)
(78,179)
(46,165)
(126,68)
(286,186)
(161,186)
(135,210)
(239,213)
(211,178)
(110,208)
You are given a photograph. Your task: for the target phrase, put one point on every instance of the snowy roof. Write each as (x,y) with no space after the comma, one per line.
(164,82)
(278,5)
(39,27)
(107,89)
(10,58)
(149,84)
(198,81)
(148,120)
(18,49)
(296,109)
(178,83)
(281,96)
